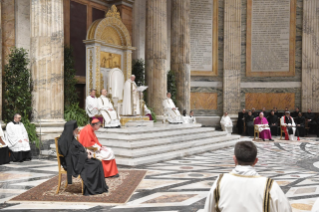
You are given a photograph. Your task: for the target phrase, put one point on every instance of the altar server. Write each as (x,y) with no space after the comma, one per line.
(131,100)
(91,104)
(5,156)
(88,138)
(78,161)
(263,127)
(243,189)
(171,111)
(273,123)
(289,127)
(18,140)
(192,118)
(226,123)
(106,108)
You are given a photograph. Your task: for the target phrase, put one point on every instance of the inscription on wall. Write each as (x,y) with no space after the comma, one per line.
(270,100)
(270,37)
(204,101)
(201,34)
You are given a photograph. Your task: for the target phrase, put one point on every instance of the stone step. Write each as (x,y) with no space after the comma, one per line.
(232,140)
(168,147)
(49,152)
(151,135)
(160,141)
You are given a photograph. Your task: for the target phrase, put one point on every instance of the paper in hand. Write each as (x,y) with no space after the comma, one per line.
(142,88)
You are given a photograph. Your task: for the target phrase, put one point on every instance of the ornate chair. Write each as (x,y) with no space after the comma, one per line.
(256,131)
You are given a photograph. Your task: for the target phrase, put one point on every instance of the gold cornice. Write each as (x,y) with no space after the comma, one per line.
(93,41)
(113,12)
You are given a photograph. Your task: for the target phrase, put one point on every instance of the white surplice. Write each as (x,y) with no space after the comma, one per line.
(292,137)
(106,108)
(226,124)
(171,111)
(91,106)
(131,100)
(14,134)
(243,190)
(3,139)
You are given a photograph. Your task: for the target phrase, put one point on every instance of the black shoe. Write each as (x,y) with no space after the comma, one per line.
(114,176)
(263,139)
(271,140)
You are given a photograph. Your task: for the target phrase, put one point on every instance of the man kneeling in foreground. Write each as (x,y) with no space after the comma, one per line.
(243,189)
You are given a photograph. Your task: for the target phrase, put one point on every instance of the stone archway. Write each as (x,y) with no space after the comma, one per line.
(108,45)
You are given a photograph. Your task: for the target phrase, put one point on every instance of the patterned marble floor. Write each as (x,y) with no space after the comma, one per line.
(181,185)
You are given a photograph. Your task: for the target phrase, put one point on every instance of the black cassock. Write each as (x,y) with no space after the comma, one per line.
(294,114)
(249,121)
(313,123)
(240,122)
(255,114)
(273,124)
(300,120)
(76,162)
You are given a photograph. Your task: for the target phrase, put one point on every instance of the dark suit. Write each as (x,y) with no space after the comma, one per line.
(300,120)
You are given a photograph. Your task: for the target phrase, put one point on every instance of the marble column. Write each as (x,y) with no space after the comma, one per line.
(138,34)
(180,51)
(156,58)
(169,32)
(22,22)
(47,60)
(232,56)
(310,56)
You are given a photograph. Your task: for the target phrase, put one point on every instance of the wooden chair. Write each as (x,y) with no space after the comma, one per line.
(256,131)
(61,169)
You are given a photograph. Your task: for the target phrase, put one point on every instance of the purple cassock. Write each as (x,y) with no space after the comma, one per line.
(264,133)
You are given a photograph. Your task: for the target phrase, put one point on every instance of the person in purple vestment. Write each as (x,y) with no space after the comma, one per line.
(263,127)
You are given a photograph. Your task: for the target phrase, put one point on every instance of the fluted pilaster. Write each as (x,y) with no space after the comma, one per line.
(138,35)
(47,58)
(180,51)
(310,56)
(232,56)
(156,47)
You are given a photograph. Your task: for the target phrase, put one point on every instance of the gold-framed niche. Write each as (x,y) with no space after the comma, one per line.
(108,45)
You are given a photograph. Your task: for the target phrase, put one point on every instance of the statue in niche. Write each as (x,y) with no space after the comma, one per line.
(110,60)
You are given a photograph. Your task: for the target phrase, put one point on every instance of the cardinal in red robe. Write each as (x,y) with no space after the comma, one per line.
(88,138)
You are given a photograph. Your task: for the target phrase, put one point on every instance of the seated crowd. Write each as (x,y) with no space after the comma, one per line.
(293,125)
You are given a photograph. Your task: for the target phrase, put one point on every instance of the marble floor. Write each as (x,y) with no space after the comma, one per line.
(181,185)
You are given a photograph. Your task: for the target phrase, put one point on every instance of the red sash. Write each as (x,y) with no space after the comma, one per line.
(285,130)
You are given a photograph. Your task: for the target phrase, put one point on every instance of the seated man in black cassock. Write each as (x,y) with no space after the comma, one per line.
(273,123)
(240,121)
(265,112)
(300,124)
(249,122)
(312,123)
(295,113)
(78,161)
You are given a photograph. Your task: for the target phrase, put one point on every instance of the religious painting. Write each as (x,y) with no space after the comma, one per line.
(271,38)
(110,60)
(204,101)
(270,100)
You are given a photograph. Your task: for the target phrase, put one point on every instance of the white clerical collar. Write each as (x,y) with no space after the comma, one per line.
(245,171)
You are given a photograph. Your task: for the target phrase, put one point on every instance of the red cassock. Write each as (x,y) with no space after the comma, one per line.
(88,138)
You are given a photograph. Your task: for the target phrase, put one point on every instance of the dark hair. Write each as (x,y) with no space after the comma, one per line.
(245,152)
(92,89)
(184,112)
(168,93)
(297,108)
(272,111)
(191,111)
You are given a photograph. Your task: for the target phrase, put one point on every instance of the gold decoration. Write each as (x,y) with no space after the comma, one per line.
(111,36)
(110,60)
(113,13)
(98,73)
(91,70)
(102,82)
(126,119)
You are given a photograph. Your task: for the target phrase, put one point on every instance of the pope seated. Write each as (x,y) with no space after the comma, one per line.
(263,127)
(88,138)
(18,140)
(226,123)
(106,108)
(171,111)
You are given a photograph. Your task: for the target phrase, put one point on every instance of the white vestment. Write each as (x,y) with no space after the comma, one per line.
(131,100)
(292,137)
(106,108)
(192,119)
(147,111)
(226,124)
(14,134)
(171,111)
(91,106)
(102,154)
(243,190)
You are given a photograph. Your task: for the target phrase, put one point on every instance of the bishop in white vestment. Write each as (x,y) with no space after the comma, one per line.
(91,104)
(171,111)
(106,108)
(131,100)
(243,189)
(226,123)
(18,140)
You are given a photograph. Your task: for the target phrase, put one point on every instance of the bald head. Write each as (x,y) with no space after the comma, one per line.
(133,77)
(104,92)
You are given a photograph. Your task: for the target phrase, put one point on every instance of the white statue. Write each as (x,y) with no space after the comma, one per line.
(131,100)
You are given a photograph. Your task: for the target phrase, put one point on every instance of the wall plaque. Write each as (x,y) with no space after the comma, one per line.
(204,37)
(203,101)
(271,37)
(270,100)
